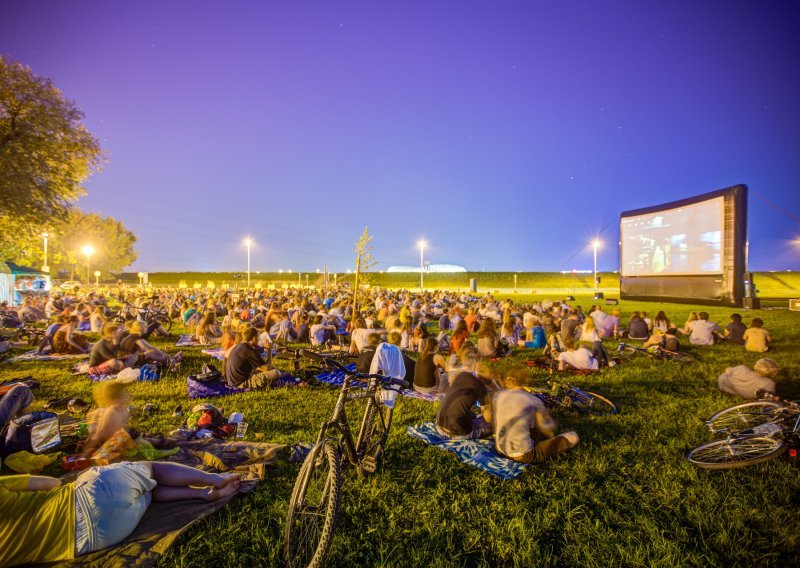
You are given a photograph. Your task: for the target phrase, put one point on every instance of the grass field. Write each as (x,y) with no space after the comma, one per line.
(624,497)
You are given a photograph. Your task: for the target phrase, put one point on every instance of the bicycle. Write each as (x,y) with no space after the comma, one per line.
(770,428)
(562,394)
(314,504)
(149,314)
(625,351)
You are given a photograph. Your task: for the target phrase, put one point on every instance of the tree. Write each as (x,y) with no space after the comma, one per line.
(112,242)
(364,261)
(46,153)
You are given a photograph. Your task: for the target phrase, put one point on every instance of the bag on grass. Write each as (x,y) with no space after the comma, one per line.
(37,432)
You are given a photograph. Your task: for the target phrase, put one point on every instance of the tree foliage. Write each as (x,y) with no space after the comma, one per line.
(46,153)
(364,261)
(112,241)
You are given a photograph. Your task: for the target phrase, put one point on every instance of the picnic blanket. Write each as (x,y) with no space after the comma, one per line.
(34,355)
(187,340)
(217,353)
(336,379)
(210,389)
(163,523)
(480,454)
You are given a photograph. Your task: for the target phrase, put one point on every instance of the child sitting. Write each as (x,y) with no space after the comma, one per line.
(756,338)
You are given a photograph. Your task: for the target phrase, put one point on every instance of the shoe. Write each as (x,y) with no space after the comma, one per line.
(612,363)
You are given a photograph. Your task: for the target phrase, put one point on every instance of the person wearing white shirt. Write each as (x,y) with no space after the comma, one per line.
(576,357)
(702,331)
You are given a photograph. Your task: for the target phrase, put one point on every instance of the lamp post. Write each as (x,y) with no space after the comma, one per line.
(97,278)
(248,241)
(595,245)
(141,277)
(45,268)
(88,250)
(421,243)
(515,282)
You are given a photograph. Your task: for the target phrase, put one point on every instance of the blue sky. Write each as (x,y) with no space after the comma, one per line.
(508,134)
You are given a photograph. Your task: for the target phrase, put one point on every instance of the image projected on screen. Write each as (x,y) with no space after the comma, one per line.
(680,241)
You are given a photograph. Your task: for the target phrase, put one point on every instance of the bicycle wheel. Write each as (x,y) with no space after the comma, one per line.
(729,454)
(626,352)
(313,507)
(164,321)
(590,402)
(743,416)
(373,434)
(679,356)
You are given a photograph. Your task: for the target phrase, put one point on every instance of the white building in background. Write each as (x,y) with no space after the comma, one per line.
(428,268)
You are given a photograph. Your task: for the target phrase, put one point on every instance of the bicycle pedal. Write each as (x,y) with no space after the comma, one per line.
(369,464)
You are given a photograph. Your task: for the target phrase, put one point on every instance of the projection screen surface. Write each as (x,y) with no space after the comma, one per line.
(686,240)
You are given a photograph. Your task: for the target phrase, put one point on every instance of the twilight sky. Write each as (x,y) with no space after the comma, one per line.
(508,134)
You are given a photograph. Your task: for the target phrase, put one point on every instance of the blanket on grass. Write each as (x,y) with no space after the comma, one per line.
(210,389)
(217,353)
(187,340)
(34,355)
(480,454)
(336,379)
(163,523)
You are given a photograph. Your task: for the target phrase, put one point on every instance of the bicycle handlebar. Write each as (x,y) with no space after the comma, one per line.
(328,361)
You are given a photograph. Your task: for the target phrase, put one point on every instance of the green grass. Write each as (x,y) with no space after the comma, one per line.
(624,496)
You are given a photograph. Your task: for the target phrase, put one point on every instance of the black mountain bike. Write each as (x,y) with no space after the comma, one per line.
(314,504)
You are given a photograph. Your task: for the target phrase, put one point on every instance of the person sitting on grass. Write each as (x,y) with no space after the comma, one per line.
(489,343)
(510,332)
(701,331)
(303,331)
(104,358)
(113,412)
(455,419)
(525,432)
(365,356)
(428,368)
(757,339)
(610,326)
(576,357)
(741,381)
(208,330)
(66,340)
(734,331)
(637,328)
(662,324)
(44,520)
(134,343)
(321,332)
(97,318)
(246,368)
(395,339)
(460,335)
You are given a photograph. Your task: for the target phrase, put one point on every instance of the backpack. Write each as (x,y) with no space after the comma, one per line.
(670,342)
(37,432)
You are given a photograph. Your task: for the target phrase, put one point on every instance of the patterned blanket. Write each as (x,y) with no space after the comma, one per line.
(477,453)
(336,379)
(187,340)
(34,355)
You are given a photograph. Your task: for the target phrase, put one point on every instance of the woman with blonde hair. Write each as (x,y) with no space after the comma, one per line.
(97,318)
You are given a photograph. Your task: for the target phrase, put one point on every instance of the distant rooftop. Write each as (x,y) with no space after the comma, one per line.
(428,268)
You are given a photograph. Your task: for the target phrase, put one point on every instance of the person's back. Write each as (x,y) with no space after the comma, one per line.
(455,415)
(365,359)
(756,338)
(702,331)
(736,332)
(242,360)
(569,326)
(538,337)
(637,329)
(577,357)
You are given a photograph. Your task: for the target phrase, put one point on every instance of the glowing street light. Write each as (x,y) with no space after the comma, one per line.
(421,244)
(595,245)
(97,278)
(248,241)
(88,250)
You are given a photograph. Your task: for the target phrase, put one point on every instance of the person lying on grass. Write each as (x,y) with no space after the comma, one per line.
(577,357)
(524,429)
(742,381)
(15,402)
(472,385)
(132,342)
(246,368)
(44,520)
(104,358)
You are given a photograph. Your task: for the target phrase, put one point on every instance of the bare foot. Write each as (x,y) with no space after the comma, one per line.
(227,478)
(227,490)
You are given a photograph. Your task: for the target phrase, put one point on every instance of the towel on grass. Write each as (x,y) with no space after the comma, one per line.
(187,340)
(34,355)
(480,454)
(211,389)
(336,379)
(217,353)
(163,523)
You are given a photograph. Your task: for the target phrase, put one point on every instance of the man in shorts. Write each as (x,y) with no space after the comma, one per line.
(246,368)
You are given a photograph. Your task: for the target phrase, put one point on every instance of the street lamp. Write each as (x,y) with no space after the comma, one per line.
(45,268)
(422,244)
(97,278)
(141,278)
(595,245)
(88,250)
(248,241)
